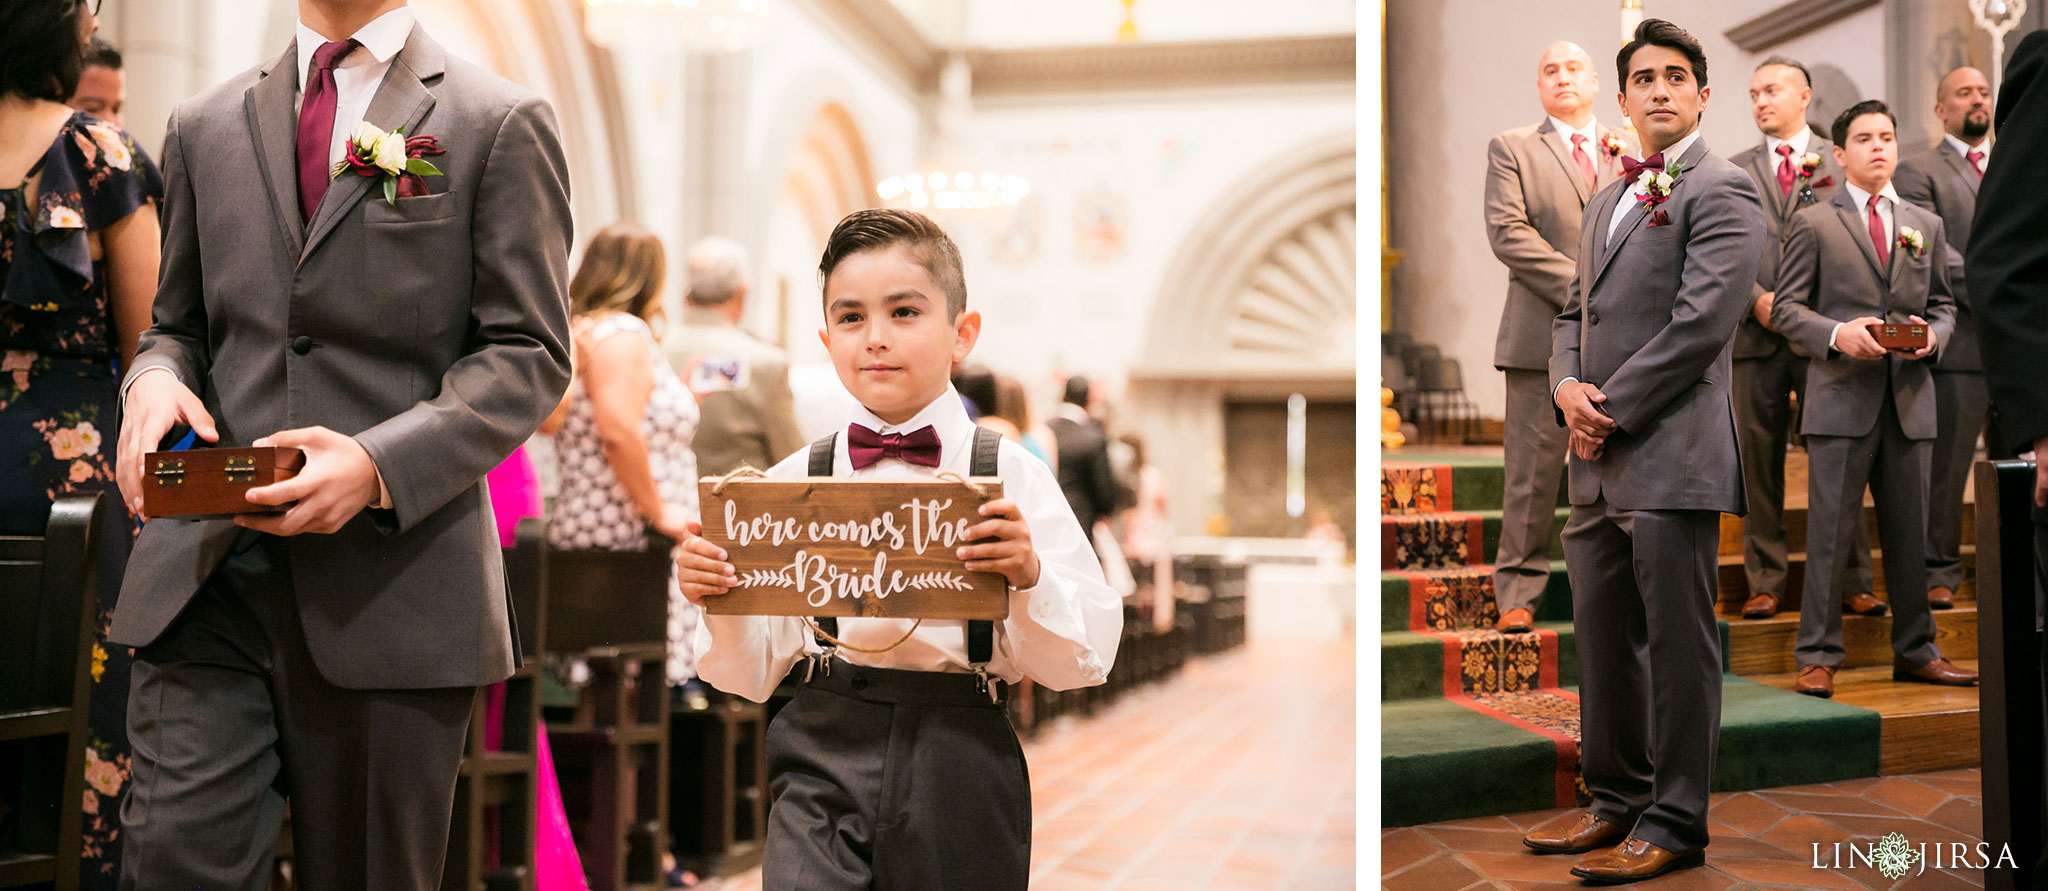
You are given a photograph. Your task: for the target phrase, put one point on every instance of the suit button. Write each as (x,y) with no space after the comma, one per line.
(1593,318)
(302,344)
(860,681)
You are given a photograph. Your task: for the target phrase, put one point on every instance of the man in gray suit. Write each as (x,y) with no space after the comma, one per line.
(1538,179)
(1944,178)
(1793,167)
(1641,357)
(745,415)
(330,654)
(1864,258)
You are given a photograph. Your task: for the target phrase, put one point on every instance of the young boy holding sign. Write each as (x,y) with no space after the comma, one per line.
(896,765)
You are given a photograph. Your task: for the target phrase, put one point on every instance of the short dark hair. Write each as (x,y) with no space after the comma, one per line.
(39,53)
(101,54)
(885,227)
(978,384)
(1839,133)
(1077,391)
(1658,32)
(1788,62)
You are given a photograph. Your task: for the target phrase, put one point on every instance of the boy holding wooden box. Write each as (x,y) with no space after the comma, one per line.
(896,765)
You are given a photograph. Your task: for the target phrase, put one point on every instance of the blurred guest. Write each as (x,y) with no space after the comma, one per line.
(1083,471)
(1943,178)
(1148,535)
(742,384)
(624,448)
(102,88)
(1014,406)
(78,269)
(978,389)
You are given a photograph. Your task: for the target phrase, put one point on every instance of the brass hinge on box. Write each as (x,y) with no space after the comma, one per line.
(169,472)
(241,470)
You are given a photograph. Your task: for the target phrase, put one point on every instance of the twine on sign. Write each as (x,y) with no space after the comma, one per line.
(847,646)
(743,472)
(951,477)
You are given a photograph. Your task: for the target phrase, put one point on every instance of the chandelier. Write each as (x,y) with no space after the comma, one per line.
(943,181)
(696,25)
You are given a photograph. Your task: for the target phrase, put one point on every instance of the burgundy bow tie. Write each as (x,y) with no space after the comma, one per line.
(864,447)
(1630,166)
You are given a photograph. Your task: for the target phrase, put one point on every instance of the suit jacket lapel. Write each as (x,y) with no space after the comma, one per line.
(1859,232)
(1763,165)
(1547,135)
(402,102)
(274,127)
(1637,211)
(1961,166)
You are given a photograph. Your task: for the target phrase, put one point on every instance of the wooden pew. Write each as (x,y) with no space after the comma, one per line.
(2009,661)
(48,604)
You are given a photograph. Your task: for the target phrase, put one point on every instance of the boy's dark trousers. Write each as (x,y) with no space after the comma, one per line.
(891,779)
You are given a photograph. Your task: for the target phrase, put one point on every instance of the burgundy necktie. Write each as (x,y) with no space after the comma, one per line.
(1785,176)
(1585,160)
(1877,239)
(1976,160)
(864,447)
(316,125)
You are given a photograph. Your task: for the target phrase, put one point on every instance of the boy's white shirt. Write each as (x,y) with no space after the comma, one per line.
(1062,634)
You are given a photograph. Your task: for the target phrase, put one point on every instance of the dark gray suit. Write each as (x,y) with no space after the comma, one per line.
(1535,194)
(1941,180)
(1768,370)
(341,667)
(1871,422)
(1651,321)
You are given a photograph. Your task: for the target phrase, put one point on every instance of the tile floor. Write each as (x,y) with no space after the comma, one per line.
(1238,774)
(1762,839)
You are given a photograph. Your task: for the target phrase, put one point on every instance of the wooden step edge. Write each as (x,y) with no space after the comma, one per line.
(1762,648)
(1925,727)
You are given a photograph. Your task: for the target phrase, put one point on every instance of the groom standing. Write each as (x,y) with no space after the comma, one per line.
(406,333)
(1641,360)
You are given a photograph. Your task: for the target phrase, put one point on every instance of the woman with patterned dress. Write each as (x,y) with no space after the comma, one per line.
(624,450)
(78,268)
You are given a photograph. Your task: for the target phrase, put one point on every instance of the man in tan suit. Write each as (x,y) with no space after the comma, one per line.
(1537,181)
(742,384)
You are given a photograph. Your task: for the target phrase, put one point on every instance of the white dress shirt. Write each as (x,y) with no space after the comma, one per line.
(1062,633)
(358,75)
(1964,149)
(1563,133)
(1799,142)
(1634,192)
(1888,199)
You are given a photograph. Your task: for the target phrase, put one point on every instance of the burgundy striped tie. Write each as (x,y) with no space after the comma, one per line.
(316,125)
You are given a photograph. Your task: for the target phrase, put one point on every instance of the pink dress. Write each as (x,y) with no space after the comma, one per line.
(515,495)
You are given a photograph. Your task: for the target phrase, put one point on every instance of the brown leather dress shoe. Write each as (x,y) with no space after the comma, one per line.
(1635,860)
(1863,603)
(1941,597)
(1587,833)
(1514,621)
(1940,671)
(1762,606)
(1816,680)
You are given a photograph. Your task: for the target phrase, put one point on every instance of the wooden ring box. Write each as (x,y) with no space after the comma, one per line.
(212,483)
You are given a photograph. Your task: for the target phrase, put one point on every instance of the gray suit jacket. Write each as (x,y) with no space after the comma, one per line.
(1650,321)
(1534,196)
(434,331)
(1752,340)
(747,419)
(1940,180)
(1830,274)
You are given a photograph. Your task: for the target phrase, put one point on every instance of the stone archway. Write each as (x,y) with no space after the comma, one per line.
(1259,302)
(825,176)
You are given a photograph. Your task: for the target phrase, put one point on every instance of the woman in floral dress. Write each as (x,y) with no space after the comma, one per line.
(78,267)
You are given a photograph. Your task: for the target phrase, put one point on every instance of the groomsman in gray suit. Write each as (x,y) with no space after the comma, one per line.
(1866,258)
(1538,179)
(1640,360)
(1943,178)
(1793,167)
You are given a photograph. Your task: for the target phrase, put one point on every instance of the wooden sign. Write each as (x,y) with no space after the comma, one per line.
(816,547)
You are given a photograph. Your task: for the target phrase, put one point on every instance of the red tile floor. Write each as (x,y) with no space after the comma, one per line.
(1239,774)
(1762,839)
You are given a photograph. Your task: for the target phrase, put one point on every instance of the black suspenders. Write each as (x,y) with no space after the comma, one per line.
(987,445)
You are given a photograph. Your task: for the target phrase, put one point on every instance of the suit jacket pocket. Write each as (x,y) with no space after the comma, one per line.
(423,209)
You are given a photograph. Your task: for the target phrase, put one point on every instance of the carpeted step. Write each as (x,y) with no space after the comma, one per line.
(1764,646)
(1414,481)
(1442,761)
(1398,593)
(1734,581)
(1926,727)
(1439,540)
(1412,663)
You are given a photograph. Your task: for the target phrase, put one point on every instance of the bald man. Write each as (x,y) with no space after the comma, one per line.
(1538,180)
(1943,178)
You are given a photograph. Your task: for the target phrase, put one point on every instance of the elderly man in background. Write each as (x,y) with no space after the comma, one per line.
(742,383)
(102,88)
(1538,180)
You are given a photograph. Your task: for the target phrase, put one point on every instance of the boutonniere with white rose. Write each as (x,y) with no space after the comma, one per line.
(399,159)
(1656,188)
(1911,240)
(1611,146)
(1809,164)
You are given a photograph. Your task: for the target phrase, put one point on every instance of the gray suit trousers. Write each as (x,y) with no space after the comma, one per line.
(1763,422)
(1643,586)
(1895,469)
(1535,468)
(229,719)
(1960,404)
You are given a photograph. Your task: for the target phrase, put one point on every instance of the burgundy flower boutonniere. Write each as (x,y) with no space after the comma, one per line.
(1809,164)
(1611,146)
(1911,241)
(400,160)
(1656,189)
